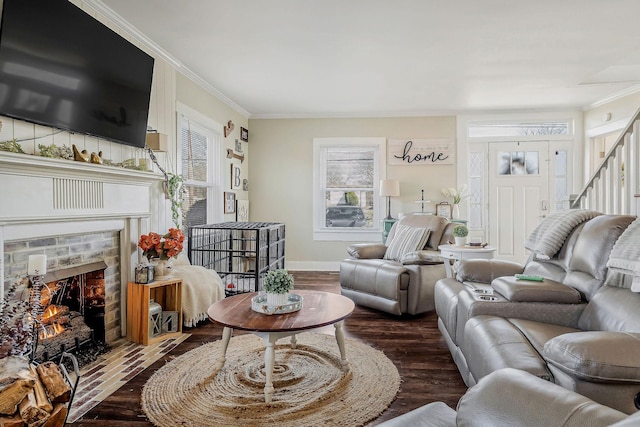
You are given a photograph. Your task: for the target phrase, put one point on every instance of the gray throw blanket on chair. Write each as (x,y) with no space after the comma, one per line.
(625,255)
(549,236)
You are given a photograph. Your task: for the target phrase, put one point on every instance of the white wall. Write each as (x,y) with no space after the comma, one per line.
(282,165)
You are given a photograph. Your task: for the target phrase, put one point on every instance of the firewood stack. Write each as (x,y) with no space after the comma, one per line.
(32,395)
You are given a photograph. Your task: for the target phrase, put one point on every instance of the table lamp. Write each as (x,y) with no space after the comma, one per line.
(389,188)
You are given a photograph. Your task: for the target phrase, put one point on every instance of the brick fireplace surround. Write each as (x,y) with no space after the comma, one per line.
(75,213)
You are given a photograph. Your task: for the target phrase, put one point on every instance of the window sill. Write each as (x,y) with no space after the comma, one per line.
(346,235)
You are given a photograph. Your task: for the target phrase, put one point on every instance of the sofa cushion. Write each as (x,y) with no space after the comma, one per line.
(421,258)
(406,239)
(612,309)
(539,333)
(437,224)
(548,290)
(491,343)
(596,355)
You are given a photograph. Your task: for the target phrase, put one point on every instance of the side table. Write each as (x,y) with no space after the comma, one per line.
(457,253)
(167,293)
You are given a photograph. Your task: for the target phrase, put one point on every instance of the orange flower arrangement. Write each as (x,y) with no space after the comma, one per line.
(154,245)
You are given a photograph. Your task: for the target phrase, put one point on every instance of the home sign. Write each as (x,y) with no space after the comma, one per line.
(418,152)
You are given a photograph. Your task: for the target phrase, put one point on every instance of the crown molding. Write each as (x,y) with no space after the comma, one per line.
(613,97)
(104,10)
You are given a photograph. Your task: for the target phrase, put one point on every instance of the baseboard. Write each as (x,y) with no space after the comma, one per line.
(312,265)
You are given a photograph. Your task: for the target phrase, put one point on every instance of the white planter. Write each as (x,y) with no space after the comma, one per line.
(277,299)
(461,241)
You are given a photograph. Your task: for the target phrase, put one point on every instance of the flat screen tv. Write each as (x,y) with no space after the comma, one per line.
(62,68)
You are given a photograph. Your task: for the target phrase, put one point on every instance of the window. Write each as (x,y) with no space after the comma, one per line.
(518,163)
(199,157)
(519,129)
(347,172)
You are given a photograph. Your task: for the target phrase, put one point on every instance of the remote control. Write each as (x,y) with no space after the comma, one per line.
(529,278)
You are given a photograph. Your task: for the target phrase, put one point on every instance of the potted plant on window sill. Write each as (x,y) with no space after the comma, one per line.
(277,284)
(460,233)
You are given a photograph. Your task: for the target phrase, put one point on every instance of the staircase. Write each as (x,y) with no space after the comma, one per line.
(614,186)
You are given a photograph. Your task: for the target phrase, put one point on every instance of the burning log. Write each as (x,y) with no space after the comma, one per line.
(55,314)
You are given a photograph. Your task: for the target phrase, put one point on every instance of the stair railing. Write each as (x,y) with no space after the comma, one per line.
(612,186)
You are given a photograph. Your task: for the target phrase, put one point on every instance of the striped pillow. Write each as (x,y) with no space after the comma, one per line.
(406,239)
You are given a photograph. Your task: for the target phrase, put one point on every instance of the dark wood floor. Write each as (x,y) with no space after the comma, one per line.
(413,343)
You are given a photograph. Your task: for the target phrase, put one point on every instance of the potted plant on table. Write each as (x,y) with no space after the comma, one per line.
(277,284)
(460,233)
(162,248)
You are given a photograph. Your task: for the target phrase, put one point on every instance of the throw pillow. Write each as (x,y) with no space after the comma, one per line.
(406,239)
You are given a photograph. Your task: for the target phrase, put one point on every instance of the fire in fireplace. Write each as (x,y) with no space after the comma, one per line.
(73,310)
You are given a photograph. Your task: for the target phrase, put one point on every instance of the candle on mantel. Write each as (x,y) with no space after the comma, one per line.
(37,265)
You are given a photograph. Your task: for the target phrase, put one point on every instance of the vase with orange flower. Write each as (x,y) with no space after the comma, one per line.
(159,249)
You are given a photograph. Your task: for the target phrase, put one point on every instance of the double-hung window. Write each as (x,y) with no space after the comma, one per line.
(347,172)
(199,159)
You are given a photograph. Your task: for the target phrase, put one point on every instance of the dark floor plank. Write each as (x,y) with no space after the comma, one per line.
(413,343)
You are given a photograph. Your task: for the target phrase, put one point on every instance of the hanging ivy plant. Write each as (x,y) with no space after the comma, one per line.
(173,190)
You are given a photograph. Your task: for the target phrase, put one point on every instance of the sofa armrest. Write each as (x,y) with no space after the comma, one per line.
(596,356)
(514,289)
(486,270)
(421,258)
(366,250)
(510,397)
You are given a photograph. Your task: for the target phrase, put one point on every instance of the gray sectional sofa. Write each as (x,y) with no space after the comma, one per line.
(578,328)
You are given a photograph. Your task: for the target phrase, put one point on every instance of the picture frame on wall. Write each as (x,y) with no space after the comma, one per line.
(244,134)
(242,210)
(229,202)
(444,209)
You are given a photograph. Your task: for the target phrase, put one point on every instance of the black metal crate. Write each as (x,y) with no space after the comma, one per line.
(240,252)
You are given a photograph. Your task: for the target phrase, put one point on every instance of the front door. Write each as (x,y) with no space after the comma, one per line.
(518,194)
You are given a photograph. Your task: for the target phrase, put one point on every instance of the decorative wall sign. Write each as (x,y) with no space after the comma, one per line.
(238,146)
(236,181)
(228,128)
(245,184)
(418,152)
(229,202)
(244,134)
(242,210)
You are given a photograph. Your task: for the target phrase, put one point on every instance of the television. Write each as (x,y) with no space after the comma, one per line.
(62,68)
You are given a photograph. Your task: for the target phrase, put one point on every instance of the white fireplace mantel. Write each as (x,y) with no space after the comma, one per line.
(42,197)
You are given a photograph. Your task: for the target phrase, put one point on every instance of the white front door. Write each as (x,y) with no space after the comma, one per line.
(518,194)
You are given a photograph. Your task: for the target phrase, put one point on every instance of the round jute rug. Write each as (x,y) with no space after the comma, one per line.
(310,387)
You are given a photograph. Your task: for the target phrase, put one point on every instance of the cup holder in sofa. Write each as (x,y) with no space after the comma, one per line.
(486,298)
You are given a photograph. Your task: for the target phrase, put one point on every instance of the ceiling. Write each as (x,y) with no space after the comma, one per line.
(346,58)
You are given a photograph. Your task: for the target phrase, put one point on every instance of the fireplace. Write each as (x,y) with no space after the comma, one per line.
(76,214)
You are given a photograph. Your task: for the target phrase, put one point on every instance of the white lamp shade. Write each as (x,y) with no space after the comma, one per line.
(390,187)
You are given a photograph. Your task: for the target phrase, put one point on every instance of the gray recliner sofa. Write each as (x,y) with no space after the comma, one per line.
(397,286)
(512,398)
(579,328)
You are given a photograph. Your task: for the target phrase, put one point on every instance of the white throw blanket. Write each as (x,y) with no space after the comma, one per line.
(549,236)
(201,287)
(625,255)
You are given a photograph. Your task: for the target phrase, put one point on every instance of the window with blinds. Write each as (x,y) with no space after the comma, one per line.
(197,160)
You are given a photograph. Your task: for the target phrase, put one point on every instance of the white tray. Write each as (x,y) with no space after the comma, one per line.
(259,304)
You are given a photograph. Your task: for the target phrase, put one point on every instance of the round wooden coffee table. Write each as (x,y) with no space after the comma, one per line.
(318,309)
